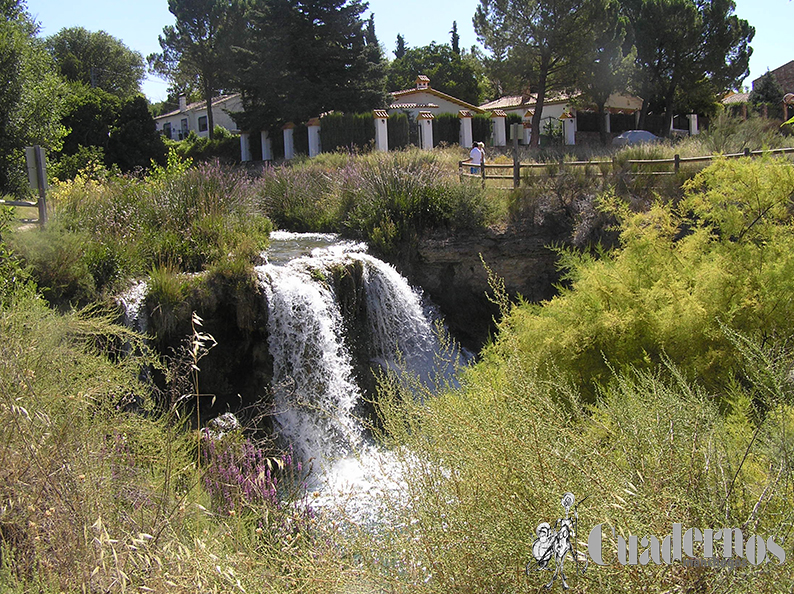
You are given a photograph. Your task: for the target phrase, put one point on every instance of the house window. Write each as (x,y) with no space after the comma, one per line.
(167,130)
(202,124)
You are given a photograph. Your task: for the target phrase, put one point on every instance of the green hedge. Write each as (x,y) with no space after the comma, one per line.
(347,130)
(399,128)
(481,127)
(446,128)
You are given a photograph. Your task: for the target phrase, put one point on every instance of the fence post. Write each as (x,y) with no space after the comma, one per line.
(677,159)
(514,131)
(747,151)
(37,175)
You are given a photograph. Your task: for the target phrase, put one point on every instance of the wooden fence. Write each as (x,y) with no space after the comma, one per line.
(636,167)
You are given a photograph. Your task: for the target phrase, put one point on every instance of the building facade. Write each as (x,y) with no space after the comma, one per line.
(193,117)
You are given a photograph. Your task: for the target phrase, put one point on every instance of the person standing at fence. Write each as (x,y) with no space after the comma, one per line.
(475,158)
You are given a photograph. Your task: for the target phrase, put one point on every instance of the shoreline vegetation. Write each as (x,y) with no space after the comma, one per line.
(657,383)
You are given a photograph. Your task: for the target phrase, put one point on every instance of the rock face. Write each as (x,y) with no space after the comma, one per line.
(450,270)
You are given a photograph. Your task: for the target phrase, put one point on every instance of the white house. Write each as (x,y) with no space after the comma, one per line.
(424,98)
(193,117)
(558,107)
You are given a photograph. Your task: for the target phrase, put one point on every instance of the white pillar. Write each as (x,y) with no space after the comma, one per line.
(425,120)
(499,132)
(693,124)
(267,146)
(608,122)
(568,128)
(466,138)
(289,144)
(245,147)
(313,125)
(381,117)
(527,120)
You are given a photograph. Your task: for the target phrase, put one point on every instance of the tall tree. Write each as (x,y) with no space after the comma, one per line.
(541,42)
(448,72)
(609,65)
(399,49)
(30,96)
(455,38)
(98,60)
(684,46)
(197,50)
(321,56)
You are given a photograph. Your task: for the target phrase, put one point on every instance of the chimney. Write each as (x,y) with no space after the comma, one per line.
(182,103)
(422,82)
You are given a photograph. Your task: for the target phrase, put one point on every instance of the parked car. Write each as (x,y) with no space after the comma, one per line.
(634,137)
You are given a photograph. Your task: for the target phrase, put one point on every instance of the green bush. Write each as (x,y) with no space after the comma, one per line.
(671,284)
(347,131)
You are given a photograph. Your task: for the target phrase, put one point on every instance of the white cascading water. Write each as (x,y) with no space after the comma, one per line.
(314,388)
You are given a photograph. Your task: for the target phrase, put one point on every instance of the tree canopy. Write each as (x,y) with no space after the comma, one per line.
(197,50)
(98,60)
(448,72)
(30,96)
(686,48)
(540,45)
(301,58)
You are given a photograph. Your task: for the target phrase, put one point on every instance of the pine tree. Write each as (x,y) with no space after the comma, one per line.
(400,48)
(455,38)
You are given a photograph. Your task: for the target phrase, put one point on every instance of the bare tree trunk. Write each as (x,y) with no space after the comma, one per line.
(210,122)
(536,117)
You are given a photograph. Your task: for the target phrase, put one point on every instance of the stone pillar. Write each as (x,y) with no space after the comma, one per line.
(693,124)
(568,128)
(466,138)
(636,119)
(608,122)
(425,120)
(498,118)
(313,125)
(381,117)
(267,146)
(289,143)
(527,119)
(245,147)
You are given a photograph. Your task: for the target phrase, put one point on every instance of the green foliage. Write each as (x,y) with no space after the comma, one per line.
(671,285)
(447,71)
(224,146)
(446,129)
(767,91)
(399,130)
(390,200)
(348,131)
(98,60)
(134,142)
(107,229)
(342,69)
(197,49)
(30,96)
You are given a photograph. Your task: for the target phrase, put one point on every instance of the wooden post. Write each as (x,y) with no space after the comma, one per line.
(37,176)
(514,132)
(677,165)
(746,152)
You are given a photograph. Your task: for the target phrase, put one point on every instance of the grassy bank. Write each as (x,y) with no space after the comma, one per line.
(657,384)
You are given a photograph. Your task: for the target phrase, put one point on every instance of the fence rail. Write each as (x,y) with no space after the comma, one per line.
(491,170)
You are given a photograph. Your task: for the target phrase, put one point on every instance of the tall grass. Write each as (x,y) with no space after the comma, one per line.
(109,228)
(658,386)
(387,199)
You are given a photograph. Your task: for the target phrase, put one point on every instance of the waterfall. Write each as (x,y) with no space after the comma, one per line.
(313,384)
(314,388)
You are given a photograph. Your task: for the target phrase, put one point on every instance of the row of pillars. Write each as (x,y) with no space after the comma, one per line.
(425,121)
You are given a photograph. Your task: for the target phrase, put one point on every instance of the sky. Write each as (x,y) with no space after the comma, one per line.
(138,23)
